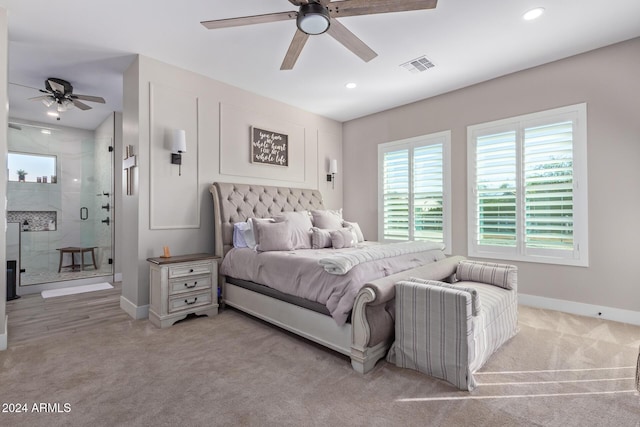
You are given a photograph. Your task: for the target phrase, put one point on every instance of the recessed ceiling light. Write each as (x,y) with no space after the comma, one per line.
(45,131)
(351,85)
(53,113)
(533,14)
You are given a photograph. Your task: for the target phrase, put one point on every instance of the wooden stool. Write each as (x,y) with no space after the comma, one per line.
(73,251)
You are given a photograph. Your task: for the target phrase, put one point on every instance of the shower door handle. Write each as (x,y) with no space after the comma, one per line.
(84,213)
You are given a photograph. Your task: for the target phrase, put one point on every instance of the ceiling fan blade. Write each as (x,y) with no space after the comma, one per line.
(350,41)
(40,98)
(298,2)
(249,20)
(89,98)
(298,42)
(56,86)
(80,105)
(369,7)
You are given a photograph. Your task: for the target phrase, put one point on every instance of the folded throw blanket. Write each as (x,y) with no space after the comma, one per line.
(342,262)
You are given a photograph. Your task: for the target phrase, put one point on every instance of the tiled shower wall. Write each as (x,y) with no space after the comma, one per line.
(75,188)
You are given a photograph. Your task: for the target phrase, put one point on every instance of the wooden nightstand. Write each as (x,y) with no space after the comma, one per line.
(182,285)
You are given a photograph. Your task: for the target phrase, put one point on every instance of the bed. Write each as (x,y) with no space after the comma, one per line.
(357,322)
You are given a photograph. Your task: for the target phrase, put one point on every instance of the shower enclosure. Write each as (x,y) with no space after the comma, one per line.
(59,198)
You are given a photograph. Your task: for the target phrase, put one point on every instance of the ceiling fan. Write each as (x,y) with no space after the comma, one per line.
(319,16)
(61,92)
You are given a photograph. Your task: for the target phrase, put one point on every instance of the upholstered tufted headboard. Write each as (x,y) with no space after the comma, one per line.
(237,202)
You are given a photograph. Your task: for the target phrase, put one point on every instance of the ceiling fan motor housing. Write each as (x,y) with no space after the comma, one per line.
(65,84)
(313,18)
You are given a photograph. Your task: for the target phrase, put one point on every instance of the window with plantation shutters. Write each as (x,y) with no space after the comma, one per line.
(528,188)
(414,189)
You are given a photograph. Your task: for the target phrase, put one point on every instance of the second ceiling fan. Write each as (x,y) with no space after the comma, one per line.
(318,16)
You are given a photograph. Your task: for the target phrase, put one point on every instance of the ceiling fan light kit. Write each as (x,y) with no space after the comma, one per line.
(313,18)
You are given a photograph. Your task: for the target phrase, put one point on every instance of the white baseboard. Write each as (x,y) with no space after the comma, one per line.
(4,335)
(138,313)
(590,310)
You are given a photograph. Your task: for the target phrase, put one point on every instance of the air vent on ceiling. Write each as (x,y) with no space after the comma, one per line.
(418,65)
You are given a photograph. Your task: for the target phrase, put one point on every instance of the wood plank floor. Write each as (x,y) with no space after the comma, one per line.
(32,317)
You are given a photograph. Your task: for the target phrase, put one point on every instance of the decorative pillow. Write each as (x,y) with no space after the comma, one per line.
(250,235)
(273,236)
(320,238)
(239,228)
(475,298)
(300,225)
(356,229)
(327,219)
(501,275)
(343,238)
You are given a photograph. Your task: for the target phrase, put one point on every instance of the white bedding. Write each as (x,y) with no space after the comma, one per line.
(299,273)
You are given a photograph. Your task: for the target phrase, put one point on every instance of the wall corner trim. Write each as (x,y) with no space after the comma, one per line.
(134,311)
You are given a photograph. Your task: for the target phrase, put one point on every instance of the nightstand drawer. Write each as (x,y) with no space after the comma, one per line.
(189,270)
(189,301)
(189,284)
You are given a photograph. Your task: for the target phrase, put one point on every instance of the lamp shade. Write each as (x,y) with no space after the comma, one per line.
(333,166)
(179,141)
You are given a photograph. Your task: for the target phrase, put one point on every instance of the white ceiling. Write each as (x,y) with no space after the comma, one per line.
(91,43)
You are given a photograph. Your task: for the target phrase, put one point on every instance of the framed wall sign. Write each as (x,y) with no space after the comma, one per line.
(268,147)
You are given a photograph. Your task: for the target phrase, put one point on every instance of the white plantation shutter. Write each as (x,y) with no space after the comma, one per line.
(527,188)
(496,189)
(428,184)
(414,189)
(395,209)
(548,182)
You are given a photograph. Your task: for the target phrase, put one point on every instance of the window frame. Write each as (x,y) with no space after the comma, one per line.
(411,144)
(579,256)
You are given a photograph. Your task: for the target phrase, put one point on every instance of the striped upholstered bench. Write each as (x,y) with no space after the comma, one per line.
(449,331)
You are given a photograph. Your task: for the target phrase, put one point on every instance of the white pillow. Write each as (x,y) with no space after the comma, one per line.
(239,229)
(300,226)
(356,229)
(343,238)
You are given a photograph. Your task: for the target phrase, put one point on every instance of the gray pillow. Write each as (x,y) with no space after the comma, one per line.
(273,236)
(250,235)
(320,238)
(327,219)
(502,275)
(343,238)
(300,226)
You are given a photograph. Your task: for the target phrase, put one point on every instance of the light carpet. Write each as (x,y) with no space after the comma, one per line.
(232,370)
(76,290)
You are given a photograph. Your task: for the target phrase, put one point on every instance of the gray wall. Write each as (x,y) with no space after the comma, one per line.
(159,97)
(607,80)
(4,40)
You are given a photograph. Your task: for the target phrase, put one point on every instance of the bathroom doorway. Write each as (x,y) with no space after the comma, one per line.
(60,204)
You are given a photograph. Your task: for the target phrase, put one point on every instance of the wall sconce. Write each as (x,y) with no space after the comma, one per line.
(333,170)
(178,146)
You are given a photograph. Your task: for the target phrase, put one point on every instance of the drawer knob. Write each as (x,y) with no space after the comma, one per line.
(192,302)
(191,270)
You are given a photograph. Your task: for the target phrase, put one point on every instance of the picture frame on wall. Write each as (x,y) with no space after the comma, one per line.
(269,147)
